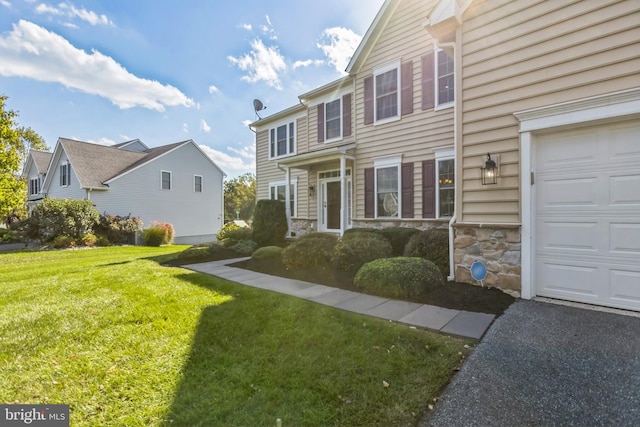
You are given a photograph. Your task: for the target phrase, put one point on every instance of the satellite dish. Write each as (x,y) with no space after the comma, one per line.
(258,106)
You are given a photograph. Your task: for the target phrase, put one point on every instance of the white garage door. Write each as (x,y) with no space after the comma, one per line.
(587,201)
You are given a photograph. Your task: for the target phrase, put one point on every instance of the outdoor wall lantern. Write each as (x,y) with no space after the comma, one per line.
(312,191)
(489,171)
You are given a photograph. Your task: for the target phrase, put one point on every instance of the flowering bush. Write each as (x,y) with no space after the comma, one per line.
(160,233)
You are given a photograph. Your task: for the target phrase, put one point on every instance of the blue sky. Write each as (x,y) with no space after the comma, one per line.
(166,71)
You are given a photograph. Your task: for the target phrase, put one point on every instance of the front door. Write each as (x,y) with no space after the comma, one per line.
(331,205)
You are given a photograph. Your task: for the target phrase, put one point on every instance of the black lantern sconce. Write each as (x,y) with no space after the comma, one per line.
(312,191)
(489,172)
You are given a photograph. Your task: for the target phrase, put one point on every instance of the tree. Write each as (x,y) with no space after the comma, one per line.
(240,195)
(15,143)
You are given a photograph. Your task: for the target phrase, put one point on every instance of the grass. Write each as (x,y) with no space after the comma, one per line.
(125,341)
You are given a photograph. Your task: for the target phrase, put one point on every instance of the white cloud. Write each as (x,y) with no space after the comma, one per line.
(70,11)
(213,89)
(339,45)
(268,29)
(262,64)
(233,165)
(205,126)
(185,128)
(307,63)
(103,141)
(247,122)
(5,3)
(33,52)
(247,27)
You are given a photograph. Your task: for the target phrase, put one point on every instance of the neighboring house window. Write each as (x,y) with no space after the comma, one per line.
(334,119)
(388,94)
(197,183)
(438,79)
(65,174)
(34,186)
(282,140)
(165,178)
(277,191)
(444,76)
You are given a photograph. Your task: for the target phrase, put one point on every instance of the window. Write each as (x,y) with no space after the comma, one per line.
(387,96)
(197,183)
(333,120)
(282,140)
(444,76)
(34,186)
(387,184)
(445,182)
(65,175)
(277,191)
(165,180)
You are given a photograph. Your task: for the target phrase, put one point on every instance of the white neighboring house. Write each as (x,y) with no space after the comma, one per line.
(176,183)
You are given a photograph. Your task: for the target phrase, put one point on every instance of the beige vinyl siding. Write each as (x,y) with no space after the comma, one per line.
(415,135)
(523,54)
(312,135)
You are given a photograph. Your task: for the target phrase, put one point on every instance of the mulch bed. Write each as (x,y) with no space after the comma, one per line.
(454,295)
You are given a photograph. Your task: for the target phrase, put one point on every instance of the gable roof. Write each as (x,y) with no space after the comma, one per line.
(41,159)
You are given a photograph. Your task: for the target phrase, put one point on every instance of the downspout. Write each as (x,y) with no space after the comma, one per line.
(456,121)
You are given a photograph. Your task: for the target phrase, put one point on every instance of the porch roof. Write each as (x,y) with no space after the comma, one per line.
(303,161)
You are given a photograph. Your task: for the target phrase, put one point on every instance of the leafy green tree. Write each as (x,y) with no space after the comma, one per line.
(240,195)
(15,143)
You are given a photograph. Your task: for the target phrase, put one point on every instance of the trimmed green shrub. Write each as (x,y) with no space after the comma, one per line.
(357,249)
(269,223)
(310,253)
(63,242)
(160,233)
(88,239)
(118,229)
(267,253)
(357,231)
(316,235)
(231,233)
(398,237)
(62,217)
(398,277)
(431,244)
(9,236)
(245,247)
(194,252)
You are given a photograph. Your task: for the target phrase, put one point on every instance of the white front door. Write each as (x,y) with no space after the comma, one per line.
(587,215)
(330,205)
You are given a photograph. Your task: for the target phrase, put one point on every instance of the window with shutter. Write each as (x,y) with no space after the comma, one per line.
(407,87)
(369,193)
(407,190)
(429,189)
(368,100)
(346,115)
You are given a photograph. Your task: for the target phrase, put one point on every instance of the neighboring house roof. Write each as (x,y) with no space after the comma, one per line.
(97,165)
(41,159)
(126,144)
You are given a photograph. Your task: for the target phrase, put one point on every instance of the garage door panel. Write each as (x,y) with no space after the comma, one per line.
(624,190)
(568,236)
(625,286)
(562,192)
(587,215)
(567,279)
(625,238)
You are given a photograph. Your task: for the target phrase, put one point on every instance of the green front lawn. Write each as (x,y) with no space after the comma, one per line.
(125,341)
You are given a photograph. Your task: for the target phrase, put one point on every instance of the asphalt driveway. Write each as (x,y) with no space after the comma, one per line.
(543,364)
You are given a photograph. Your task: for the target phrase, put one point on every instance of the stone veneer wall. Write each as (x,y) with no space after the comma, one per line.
(498,247)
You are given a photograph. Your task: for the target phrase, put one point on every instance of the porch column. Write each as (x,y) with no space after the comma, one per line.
(287,198)
(343,194)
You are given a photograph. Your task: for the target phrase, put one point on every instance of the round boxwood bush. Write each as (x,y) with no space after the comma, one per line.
(267,253)
(269,223)
(245,247)
(432,244)
(309,253)
(398,237)
(399,277)
(355,250)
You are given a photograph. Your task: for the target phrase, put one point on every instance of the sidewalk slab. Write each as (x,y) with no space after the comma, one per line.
(334,297)
(468,324)
(393,310)
(430,316)
(361,304)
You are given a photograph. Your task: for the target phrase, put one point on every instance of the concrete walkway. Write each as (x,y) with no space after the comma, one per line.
(453,322)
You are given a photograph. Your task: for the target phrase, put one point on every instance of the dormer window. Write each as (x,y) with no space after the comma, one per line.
(34,186)
(65,174)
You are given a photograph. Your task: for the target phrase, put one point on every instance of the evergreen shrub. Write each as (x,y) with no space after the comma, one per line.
(313,252)
(399,277)
(431,244)
(269,223)
(398,237)
(355,250)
